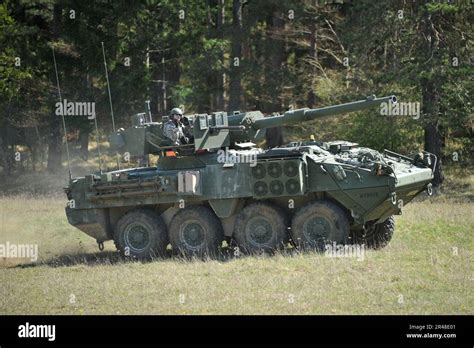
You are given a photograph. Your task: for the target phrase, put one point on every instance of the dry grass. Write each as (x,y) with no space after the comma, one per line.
(427,269)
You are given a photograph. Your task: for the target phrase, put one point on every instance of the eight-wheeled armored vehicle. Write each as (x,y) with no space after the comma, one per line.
(222,186)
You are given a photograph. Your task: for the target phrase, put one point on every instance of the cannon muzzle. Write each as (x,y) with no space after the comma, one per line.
(306,114)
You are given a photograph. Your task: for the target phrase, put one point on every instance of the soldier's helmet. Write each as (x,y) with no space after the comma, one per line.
(176,111)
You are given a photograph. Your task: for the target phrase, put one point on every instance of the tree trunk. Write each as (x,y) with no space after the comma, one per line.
(433,135)
(313,53)
(156,99)
(6,157)
(54,144)
(274,136)
(433,138)
(55,141)
(236,56)
(430,89)
(6,153)
(84,143)
(172,75)
(220,97)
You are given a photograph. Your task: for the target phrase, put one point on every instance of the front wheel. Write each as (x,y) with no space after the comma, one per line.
(376,236)
(319,224)
(141,234)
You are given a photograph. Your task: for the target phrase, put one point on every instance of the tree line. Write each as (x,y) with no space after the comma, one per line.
(231,55)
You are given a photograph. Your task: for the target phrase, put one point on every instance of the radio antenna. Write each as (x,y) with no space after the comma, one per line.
(64,121)
(110,97)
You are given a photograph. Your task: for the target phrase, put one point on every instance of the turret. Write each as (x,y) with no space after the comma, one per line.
(219,130)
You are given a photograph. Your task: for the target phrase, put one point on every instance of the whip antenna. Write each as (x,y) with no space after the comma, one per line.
(110,96)
(64,122)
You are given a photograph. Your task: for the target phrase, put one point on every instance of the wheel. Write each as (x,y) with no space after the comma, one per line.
(141,233)
(318,224)
(261,227)
(196,231)
(376,236)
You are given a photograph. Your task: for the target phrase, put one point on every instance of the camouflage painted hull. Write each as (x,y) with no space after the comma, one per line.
(289,177)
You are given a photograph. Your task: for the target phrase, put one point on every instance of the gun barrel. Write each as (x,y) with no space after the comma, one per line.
(295,116)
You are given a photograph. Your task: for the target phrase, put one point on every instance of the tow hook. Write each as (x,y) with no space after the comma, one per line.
(393,198)
(429,189)
(101,245)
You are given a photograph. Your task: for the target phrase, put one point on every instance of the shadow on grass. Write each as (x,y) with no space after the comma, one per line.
(89,259)
(114,257)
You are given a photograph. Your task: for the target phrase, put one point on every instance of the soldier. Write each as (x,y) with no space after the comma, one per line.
(174,128)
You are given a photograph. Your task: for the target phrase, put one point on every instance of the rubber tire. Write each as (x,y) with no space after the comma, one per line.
(213,231)
(379,237)
(154,225)
(274,215)
(332,213)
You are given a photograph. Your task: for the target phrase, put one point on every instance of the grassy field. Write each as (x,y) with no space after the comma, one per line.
(427,269)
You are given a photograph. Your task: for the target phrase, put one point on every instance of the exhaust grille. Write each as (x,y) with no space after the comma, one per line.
(274,170)
(290,168)
(292,186)
(278,178)
(276,187)
(259,171)
(260,188)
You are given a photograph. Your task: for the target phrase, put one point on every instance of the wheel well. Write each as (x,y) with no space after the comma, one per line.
(346,211)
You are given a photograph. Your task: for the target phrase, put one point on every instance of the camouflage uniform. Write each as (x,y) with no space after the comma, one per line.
(173,132)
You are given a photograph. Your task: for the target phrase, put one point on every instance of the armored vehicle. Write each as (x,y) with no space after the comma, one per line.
(221,186)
